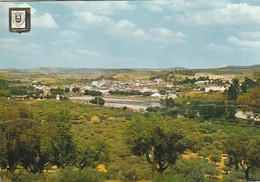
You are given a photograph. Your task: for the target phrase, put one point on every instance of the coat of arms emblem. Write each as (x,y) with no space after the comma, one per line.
(19,19)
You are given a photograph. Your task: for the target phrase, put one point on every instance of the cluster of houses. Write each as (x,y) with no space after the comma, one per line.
(105,86)
(152,86)
(216,88)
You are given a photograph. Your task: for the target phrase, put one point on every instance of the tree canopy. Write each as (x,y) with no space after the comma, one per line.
(159,140)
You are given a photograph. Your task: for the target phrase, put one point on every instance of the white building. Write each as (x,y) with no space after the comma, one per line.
(215,88)
(173,96)
(98,83)
(202,82)
(156,95)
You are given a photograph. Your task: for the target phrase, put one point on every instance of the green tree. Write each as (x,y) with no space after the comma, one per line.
(195,169)
(232,92)
(230,113)
(27,143)
(169,102)
(250,98)
(63,147)
(158,140)
(95,152)
(3,147)
(35,147)
(55,91)
(93,93)
(75,89)
(10,132)
(85,157)
(215,156)
(243,152)
(19,90)
(248,83)
(98,100)
(67,90)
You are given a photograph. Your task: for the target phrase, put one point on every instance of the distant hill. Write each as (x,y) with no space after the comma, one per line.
(232,69)
(176,69)
(55,70)
(100,71)
(60,70)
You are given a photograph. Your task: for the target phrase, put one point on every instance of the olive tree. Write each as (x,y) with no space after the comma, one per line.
(244,152)
(160,140)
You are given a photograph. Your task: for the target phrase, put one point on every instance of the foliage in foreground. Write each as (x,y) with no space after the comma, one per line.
(160,141)
(69,125)
(64,175)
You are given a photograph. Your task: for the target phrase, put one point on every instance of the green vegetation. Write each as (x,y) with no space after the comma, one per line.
(243,152)
(195,137)
(92,93)
(233,90)
(75,89)
(98,101)
(234,70)
(55,91)
(132,74)
(37,136)
(195,169)
(159,140)
(128,93)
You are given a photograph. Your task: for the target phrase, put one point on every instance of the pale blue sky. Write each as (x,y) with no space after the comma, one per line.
(139,34)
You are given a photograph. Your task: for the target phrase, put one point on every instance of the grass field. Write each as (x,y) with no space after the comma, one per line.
(133,75)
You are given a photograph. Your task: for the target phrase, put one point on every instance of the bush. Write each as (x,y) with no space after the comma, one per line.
(196,169)
(255,174)
(92,93)
(64,175)
(75,175)
(168,178)
(129,170)
(98,101)
(22,176)
(234,176)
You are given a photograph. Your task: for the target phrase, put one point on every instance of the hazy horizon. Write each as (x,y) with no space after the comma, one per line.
(60,67)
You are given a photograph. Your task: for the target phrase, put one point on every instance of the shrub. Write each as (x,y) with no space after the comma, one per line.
(22,176)
(75,175)
(234,176)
